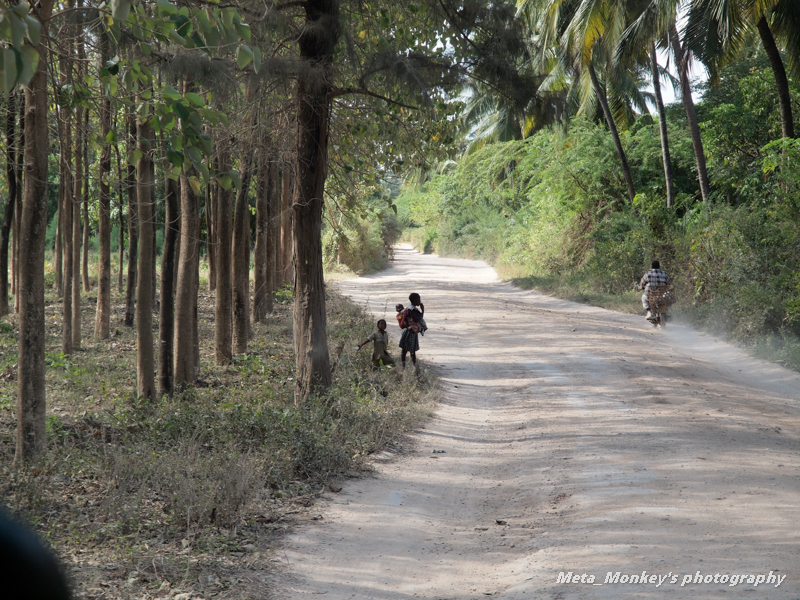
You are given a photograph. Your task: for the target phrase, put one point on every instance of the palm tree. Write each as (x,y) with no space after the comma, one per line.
(718,29)
(657,20)
(584,32)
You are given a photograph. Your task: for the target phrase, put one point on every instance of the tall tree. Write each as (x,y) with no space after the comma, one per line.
(240,263)
(8,215)
(662,127)
(317,42)
(261,289)
(186,292)
(102,324)
(223,241)
(133,226)
(31,399)
(145,195)
(166,320)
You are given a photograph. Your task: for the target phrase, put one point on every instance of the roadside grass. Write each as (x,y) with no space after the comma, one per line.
(185,494)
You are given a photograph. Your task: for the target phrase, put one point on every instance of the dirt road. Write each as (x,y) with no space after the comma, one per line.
(573,439)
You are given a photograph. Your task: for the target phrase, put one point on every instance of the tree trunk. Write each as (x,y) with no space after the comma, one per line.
(781,80)
(317,43)
(67,186)
(211,248)
(133,228)
(185,292)
(17,227)
(102,321)
(145,196)
(121,220)
(286,224)
(222,241)
(80,137)
(59,249)
(688,105)
(612,127)
(31,399)
(662,126)
(8,216)
(166,319)
(274,235)
(86,228)
(241,259)
(260,285)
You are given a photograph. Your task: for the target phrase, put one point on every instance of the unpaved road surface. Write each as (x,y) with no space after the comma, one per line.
(575,440)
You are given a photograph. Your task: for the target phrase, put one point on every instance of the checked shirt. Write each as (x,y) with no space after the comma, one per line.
(654,277)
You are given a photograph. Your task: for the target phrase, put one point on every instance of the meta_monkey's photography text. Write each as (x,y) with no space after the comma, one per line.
(679,579)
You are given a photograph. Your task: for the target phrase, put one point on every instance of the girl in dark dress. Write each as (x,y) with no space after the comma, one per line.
(409,341)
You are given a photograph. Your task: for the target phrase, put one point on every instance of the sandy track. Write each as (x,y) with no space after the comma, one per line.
(599,445)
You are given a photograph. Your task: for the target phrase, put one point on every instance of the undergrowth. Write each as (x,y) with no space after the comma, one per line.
(191,481)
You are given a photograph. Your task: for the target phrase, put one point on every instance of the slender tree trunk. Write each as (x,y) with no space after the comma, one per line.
(241,260)
(120,179)
(67,189)
(185,292)
(223,241)
(31,399)
(317,43)
(8,216)
(612,127)
(17,227)
(166,319)
(133,229)
(211,248)
(286,224)
(691,116)
(781,80)
(274,235)
(86,228)
(102,323)
(662,127)
(59,249)
(260,284)
(80,137)
(146,385)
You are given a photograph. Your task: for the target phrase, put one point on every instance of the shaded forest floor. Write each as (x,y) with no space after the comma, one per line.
(184,498)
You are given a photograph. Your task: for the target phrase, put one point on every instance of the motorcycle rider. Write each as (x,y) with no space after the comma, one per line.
(655,276)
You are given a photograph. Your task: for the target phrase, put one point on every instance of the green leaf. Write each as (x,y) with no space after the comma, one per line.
(134,156)
(256,59)
(30,60)
(18,29)
(195,99)
(9,69)
(175,38)
(243,56)
(175,157)
(120,10)
(34,29)
(195,185)
(171,93)
(166,7)
(237,180)
(111,136)
(225,182)
(243,29)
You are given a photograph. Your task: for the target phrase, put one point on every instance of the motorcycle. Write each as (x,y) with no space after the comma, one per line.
(660,298)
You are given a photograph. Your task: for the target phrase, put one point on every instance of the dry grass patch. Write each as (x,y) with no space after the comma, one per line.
(186,495)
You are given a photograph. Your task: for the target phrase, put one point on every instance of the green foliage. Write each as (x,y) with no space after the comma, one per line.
(553,209)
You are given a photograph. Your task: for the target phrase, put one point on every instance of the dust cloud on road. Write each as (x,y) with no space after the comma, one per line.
(572,440)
